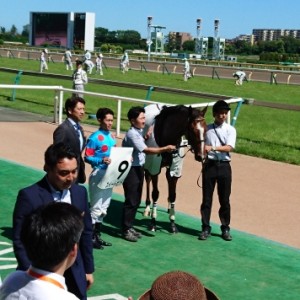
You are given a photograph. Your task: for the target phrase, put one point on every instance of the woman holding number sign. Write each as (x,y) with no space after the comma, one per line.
(97,154)
(133,183)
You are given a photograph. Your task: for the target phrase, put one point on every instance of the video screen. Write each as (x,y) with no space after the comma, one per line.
(49,29)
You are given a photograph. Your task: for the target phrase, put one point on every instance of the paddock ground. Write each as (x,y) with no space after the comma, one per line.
(265,194)
(265,209)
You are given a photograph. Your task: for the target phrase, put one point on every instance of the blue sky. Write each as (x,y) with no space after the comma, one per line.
(236,16)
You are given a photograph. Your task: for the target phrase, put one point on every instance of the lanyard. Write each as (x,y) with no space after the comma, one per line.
(45,278)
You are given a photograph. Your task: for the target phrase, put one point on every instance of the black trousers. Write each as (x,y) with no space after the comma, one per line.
(219,173)
(133,188)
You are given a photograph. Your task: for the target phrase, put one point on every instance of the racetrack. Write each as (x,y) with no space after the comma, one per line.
(265,195)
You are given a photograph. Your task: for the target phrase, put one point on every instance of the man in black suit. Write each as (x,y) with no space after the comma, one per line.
(71,133)
(58,185)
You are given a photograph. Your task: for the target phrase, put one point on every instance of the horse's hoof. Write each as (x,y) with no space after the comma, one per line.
(174,229)
(152,227)
(146,213)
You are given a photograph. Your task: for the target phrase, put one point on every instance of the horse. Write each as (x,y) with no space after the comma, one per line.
(167,125)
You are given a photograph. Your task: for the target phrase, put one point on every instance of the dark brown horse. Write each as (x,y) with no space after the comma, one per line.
(171,124)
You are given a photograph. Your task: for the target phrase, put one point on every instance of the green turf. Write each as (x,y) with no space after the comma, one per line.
(249,267)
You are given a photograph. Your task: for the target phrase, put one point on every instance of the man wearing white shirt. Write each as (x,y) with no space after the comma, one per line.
(42,234)
(219,142)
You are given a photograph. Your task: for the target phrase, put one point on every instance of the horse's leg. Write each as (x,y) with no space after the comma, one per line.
(172,182)
(155,195)
(148,200)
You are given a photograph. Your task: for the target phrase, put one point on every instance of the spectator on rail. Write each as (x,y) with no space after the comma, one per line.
(43,60)
(133,183)
(58,185)
(97,154)
(239,76)
(80,79)
(220,140)
(50,237)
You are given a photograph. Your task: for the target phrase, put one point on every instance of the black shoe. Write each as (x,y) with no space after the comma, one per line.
(103,243)
(204,235)
(128,235)
(135,233)
(97,244)
(226,235)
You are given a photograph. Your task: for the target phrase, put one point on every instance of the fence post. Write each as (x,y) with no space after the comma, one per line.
(214,72)
(236,112)
(56,108)
(165,68)
(17,81)
(273,78)
(119,111)
(143,67)
(61,100)
(151,88)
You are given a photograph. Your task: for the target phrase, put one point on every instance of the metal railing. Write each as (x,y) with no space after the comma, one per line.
(59,99)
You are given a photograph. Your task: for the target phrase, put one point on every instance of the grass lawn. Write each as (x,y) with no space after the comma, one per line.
(262,132)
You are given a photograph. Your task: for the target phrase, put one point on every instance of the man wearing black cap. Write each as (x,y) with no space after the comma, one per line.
(219,142)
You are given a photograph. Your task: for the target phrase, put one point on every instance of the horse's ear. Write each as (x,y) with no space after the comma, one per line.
(204,110)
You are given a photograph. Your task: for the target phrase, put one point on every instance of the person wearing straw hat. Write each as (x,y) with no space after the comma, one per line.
(178,285)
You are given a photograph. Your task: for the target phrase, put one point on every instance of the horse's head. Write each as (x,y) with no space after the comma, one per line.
(196,131)
(175,121)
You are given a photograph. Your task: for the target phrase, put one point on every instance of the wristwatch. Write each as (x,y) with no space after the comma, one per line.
(213,148)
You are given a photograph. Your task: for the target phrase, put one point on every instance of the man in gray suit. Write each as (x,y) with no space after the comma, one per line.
(71,133)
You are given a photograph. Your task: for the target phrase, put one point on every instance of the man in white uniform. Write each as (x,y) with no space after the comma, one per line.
(239,76)
(68,59)
(43,61)
(79,79)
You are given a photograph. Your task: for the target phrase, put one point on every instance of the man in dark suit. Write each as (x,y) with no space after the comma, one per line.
(71,133)
(58,185)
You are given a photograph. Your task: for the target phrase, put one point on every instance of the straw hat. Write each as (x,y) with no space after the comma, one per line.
(178,285)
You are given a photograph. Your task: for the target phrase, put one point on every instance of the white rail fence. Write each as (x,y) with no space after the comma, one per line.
(58,100)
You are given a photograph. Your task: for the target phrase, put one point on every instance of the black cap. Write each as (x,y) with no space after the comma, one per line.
(220,105)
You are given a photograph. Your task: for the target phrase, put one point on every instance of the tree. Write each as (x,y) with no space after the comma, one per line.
(13,30)
(25,32)
(188,46)
(101,34)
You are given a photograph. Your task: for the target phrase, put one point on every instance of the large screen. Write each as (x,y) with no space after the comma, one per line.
(49,29)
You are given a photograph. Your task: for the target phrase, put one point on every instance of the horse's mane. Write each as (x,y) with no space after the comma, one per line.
(171,123)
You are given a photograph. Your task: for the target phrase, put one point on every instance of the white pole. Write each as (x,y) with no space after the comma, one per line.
(119,117)
(61,99)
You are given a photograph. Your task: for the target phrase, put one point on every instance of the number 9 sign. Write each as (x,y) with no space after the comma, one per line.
(118,169)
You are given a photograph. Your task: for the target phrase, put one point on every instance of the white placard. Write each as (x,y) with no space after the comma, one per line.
(117,170)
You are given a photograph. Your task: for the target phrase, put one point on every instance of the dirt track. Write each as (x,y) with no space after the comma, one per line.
(265,196)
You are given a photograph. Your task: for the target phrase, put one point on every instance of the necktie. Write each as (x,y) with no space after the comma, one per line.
(77,128)
(78,131)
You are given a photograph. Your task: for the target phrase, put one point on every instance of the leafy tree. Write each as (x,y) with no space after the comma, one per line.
(13,30)
(188,46)
(25,32)
(101,34)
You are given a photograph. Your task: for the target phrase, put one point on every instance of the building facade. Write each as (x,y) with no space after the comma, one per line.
(178,38)
(274,34)
(70,30)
